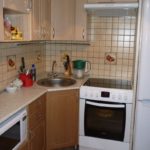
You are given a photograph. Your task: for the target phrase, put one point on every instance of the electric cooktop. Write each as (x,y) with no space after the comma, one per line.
(108,83)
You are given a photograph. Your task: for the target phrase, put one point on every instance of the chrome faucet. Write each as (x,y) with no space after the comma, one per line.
(53,66)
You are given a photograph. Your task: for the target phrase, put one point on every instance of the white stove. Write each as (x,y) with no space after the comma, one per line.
(107,90)
(105,114)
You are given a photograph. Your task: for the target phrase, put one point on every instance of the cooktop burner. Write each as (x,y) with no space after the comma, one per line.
(108,83)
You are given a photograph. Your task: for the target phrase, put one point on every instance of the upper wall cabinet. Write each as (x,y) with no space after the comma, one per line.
(1,21)
(14,20)
(17,5)
(62,19)
(105,1)
(41,19)
(80,21)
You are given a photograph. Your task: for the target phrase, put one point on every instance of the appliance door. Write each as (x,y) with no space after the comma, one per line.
(142,126)
(99,117)
(144,69)
(12,131)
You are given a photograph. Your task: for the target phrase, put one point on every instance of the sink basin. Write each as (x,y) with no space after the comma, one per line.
(57,81)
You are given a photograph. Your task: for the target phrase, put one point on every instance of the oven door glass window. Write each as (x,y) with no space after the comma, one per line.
(105,122)
(10,138)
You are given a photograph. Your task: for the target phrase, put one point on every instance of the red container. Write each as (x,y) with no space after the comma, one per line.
(26,79)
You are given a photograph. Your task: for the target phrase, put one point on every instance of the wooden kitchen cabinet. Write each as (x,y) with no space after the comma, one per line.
(1,21)
(62,119)
(62,19)
(37,137)
(36,124)
(80,21)
(17,12)
(24,146)
(41,19)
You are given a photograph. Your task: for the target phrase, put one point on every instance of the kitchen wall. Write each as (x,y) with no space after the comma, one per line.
(10,60)
(111,50)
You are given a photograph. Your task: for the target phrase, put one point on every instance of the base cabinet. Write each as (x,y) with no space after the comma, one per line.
(62,119)
(37,137)
(24,146)
(36,124)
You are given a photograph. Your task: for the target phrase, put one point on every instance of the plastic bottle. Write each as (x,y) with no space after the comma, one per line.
(33,72)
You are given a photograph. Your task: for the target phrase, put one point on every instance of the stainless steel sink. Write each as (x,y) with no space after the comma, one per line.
(56,81)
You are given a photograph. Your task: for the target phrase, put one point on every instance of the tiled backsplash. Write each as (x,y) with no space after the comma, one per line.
(111,50)
(33,54)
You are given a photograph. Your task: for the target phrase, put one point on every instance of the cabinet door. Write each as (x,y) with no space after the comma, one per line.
(36,124)
(37,137)
(36,111)
(41,19)
(62,119)
(36,27)
(45,19)
(48,19)
(80,21)
(17,5)
(62,19)
(1,21)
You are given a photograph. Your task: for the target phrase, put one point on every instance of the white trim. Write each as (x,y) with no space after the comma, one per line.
(111,6)
(106,105)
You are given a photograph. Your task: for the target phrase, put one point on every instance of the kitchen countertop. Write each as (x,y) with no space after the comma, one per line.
(10,103)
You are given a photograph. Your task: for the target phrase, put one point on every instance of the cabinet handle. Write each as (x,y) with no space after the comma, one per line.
(83,34)
(29,5)
(53,33)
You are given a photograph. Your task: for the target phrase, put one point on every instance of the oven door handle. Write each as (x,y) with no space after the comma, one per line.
(106,105)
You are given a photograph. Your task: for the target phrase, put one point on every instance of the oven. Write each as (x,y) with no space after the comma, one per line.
(13,131)
(105,118)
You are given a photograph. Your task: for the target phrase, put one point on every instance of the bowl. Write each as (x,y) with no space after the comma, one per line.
(11,89)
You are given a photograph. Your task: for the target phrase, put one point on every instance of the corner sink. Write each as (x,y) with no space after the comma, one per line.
(56,82)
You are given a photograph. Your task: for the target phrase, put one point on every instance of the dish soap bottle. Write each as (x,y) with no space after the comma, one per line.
(33,72)
(67,65)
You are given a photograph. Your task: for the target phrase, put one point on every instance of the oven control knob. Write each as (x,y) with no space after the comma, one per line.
(119,97)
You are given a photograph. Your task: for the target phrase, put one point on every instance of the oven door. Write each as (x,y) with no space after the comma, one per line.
(105,120)
(13,131)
